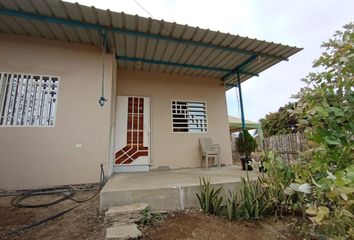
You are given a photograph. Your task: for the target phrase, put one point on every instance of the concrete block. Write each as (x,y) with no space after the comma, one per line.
(125,214)
(161,199)
(123,232)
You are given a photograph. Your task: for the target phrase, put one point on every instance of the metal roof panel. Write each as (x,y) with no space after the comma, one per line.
(170,42)
(9,4)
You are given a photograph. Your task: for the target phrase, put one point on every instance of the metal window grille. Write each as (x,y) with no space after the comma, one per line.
(28,100)
(189,116)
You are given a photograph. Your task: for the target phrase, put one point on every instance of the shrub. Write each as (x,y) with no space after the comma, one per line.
(279,176)
(321,183)
(245,143)
(280,122)
(326,111)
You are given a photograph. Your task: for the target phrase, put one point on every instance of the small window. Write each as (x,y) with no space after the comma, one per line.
(189,117)
(28,100)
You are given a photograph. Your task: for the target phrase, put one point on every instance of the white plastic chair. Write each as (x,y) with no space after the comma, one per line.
(209,150)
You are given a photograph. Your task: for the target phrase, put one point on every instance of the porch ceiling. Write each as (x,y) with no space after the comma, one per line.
(144,43)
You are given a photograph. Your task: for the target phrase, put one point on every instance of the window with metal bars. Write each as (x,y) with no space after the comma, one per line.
(188,116)
(28,100)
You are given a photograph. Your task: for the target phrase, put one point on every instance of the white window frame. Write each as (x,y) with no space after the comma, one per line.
(206,122)
(38,103)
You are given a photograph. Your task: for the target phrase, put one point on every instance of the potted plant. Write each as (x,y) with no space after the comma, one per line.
(245,145)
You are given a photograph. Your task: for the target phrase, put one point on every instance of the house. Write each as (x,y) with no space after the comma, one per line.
(81,87)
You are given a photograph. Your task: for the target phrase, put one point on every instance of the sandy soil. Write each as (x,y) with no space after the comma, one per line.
(84,222)
(196,225)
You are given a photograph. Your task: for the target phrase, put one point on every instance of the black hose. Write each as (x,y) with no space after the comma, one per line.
(66,192)
(102,181)
(18,230)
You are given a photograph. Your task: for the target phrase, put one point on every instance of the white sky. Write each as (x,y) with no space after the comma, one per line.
(303,23)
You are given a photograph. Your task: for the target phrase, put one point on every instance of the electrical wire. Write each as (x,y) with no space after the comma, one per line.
(238,101)
(148,13)
(169,31)
(102,99)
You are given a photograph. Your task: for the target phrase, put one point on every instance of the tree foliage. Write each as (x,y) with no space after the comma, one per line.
(280,122)
(323,180)
(326,111)
(245,143)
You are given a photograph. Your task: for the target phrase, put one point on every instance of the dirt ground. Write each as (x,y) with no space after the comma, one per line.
(86,222)
(193,224)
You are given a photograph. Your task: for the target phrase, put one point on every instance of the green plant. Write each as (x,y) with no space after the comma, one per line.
(157,216)
(209,199)
(255,202)
(232,206)
(245,143)
(280,122)
(279,176)
(326,111)
(321,183)
(146,216)
(332,206)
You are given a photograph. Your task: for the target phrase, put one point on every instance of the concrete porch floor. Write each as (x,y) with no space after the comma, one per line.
(169,189)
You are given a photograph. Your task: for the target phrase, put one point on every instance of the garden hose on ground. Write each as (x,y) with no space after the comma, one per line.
(67,193)
(25,227)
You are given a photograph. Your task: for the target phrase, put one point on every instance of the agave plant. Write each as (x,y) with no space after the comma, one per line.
(254,200)
(232,206)
(209,199)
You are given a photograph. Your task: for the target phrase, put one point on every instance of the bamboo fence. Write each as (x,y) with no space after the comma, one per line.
(286,146)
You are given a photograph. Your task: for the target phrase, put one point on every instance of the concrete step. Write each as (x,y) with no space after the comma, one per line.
(123,232)
(160,199)
(126,214)
(168,190)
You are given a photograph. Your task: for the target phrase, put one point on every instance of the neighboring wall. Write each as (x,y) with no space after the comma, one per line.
(33,157)
(178,150)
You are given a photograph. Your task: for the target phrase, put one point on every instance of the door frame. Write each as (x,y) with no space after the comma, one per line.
(133,167)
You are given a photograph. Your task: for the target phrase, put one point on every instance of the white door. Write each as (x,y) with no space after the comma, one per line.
(132,140)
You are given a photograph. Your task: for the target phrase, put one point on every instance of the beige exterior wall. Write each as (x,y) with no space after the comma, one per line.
(178,150)
(39,156)
(32,157)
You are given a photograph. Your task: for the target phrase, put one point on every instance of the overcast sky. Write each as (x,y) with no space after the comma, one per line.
(301,23)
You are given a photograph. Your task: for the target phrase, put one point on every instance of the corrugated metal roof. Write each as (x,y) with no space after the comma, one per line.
(169,47)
